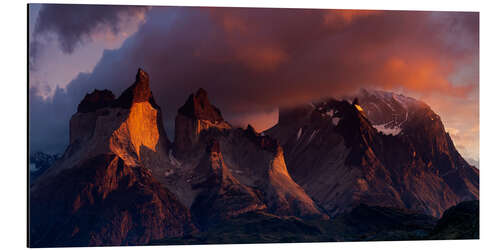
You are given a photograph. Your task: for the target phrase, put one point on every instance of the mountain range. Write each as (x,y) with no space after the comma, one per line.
(324,168)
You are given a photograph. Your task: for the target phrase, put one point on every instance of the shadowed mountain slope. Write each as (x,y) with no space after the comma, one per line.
(341,159)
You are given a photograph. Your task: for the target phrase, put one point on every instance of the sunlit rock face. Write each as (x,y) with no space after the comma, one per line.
(129,127)
(141,127)
(285,194)
(109,180)
(139,130)
(244,172)
(119,151)
(335,152)
(259,161)
(328,148)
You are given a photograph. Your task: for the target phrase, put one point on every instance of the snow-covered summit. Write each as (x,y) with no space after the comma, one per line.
(388,112)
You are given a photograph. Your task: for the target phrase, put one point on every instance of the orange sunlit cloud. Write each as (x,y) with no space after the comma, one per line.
(340,17)
(421,76)
(252,61)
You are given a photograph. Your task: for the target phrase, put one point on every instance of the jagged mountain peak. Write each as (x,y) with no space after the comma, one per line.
(196,116)
(340,141)
(138,92)
(198,106)
(389,112)
(129,127)
(141,76)
(394,101)
(202,95)
(323,157)
(391,99)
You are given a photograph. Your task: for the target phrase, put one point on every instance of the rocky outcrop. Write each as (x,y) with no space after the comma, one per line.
(137,93)
(241,168)
(194,117)
(120,167)
(335,153)
(329,153)
(198,106)
(130,127)
(257,161)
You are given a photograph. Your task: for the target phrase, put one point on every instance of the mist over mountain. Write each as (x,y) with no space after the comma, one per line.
(380,149)
(248,66)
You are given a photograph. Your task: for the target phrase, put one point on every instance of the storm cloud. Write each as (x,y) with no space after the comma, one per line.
(74,25)
(253,60)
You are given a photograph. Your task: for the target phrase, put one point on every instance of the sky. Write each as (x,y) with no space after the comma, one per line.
(251,61)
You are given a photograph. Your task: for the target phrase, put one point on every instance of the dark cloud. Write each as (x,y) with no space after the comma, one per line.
(49,121)
(74,25)
(34,48)
(254,60)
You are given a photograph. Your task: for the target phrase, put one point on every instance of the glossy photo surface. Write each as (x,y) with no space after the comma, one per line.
(158,125)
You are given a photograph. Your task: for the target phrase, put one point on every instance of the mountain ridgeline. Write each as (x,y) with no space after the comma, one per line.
(382,160)
(383,149)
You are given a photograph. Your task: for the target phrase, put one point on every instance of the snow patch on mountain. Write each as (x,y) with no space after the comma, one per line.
(386,130)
